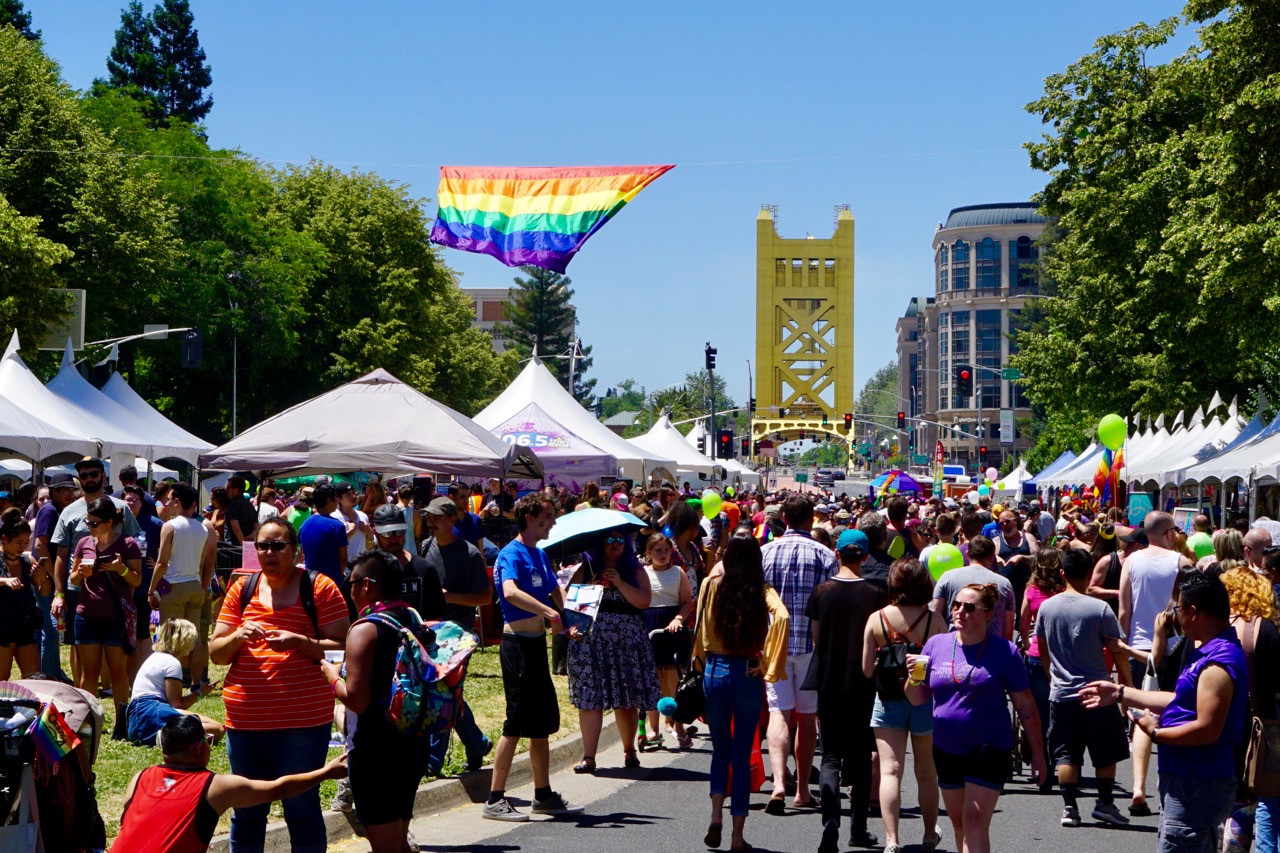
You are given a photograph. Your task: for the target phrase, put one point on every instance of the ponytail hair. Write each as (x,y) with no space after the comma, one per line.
(12,524)
(988,594)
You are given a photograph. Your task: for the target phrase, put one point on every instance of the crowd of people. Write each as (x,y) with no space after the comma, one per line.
(841,628)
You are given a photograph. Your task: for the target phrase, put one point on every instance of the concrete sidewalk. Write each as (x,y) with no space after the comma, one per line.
(442,794)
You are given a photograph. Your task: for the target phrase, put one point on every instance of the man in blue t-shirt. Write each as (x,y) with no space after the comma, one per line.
(530,597)
(467,526)
(323,538)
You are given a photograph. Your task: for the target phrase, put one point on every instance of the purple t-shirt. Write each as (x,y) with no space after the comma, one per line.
(1215,760)
(46,522)
(96,600)
(972,712)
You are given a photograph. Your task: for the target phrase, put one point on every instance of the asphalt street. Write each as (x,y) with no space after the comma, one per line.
(663,806)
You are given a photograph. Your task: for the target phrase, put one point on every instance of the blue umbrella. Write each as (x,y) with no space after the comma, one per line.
(580,531)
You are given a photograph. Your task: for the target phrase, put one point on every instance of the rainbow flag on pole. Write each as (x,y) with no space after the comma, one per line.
(54,739)
(539,216)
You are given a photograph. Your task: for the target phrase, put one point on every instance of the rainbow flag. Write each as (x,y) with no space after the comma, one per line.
(54,739)
(538,216)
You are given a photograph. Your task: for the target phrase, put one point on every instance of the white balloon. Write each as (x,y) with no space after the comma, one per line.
(972,497)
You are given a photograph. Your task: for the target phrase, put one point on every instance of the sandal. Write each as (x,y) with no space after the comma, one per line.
(685,742)
(712,838)
(776,806)
(630,759)
(586,765)
(1140,809)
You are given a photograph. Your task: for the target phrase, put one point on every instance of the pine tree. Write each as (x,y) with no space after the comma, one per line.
(540,318)
(12,14)
(184,76)
(133,66)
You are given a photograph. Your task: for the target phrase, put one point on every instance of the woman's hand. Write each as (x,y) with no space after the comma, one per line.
(116,565)
(12,583)
(1099,694)
(611,576)
(675,624)
(285,641)
(332,671)
(251,630)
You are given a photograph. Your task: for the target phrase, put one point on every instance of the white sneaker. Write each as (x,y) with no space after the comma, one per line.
(503,810)
(1070,816)
(343,801)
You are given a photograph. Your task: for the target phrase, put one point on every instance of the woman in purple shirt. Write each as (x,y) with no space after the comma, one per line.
(969,673)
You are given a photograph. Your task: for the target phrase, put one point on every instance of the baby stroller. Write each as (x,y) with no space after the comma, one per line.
(50,805)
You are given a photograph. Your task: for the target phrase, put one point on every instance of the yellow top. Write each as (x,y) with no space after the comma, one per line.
(773,658)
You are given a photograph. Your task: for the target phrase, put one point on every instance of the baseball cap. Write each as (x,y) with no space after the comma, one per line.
(822,508)
(621,499)
(389,518)
(342,488)
(305,492)
(853,537)
(90,462)
(442,506)
(773,509)
(1134,536)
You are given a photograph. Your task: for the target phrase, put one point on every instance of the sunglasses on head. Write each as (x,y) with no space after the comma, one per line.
(966,606)
(271,545)
(614,540)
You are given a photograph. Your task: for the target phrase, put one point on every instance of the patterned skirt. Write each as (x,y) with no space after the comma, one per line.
(612,667)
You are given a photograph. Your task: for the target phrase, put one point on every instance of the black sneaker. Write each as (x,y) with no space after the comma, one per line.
(555,805)
(1070,816)
(863,838)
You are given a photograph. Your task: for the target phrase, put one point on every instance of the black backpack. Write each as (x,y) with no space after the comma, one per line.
(306,594)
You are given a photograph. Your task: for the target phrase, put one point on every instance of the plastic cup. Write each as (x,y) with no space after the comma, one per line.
(919,669)
(334,656)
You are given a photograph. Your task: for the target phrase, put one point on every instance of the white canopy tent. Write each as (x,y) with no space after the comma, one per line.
(1079,471)
(1256,456)
(122,393)
(567,460)
(665,440)
(1011,483)
(34,439)
(735,470)
(374,423)
(536,384)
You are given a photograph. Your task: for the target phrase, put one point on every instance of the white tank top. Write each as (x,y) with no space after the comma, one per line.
(1151,577)
(665,586)
(189,537)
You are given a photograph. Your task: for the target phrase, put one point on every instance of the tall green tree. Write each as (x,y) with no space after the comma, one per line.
(13,14)
(184,75)
(133,65)
(1163,182)
(879,404)
(541,318)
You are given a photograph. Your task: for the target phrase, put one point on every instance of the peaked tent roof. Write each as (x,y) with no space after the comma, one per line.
(1064,459)
(535,384)
(119,390)
(1081,470)
(33,438)
(665,440)
(567,459)
(374,423)
(736,469)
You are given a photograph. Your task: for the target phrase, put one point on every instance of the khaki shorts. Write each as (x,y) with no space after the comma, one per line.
(183,601)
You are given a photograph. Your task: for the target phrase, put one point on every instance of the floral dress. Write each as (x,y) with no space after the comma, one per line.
(612,667)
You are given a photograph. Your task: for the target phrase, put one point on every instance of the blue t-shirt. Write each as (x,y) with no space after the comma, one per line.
(969,684)
(991,530)
(321,536)
(530,569)
(1215,760)
(469,528)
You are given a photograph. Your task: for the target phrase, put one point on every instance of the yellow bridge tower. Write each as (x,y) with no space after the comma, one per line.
(804,331)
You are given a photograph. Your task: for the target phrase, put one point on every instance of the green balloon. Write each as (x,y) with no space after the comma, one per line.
(943,558)
(711,503)
(1112,431)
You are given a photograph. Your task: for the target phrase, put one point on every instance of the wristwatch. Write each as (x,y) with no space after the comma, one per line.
(1154,731)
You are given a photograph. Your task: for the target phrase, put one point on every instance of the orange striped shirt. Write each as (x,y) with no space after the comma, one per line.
(268,689)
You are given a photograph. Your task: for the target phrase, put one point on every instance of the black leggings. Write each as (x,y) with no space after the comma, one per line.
(847,744)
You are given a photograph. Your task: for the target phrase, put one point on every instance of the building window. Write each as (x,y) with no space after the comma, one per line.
(987,329)
(942,269)
(960,265)
(959,349)
(1017,323)
(1023,255)
(988,258)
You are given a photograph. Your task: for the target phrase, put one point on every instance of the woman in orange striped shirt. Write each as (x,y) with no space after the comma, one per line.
(279,706)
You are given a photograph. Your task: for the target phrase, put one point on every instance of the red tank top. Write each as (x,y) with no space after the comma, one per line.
(169,812)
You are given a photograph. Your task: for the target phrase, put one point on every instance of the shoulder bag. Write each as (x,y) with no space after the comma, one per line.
(691,700)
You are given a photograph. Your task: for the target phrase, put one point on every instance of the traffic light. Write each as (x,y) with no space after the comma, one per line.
(192,348)
(982,456)
(848,421)
(902,420)
(711,356)
(702,445)
(756,448)
(964,380)
(746,447)
(824,418)
(911,439)
(725,441)
(751,404)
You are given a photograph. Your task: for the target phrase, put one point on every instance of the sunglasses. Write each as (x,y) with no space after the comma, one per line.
(966,606)
(614,540)
(94,525)
(362,579)
(272,545)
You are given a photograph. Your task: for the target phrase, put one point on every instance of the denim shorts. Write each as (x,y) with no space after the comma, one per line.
(91,631)
(901,714)
(147,716)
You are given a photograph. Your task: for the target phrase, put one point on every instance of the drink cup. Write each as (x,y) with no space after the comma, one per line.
(334,656)
(919,669)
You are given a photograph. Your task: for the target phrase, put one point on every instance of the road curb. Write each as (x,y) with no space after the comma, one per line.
(442,794)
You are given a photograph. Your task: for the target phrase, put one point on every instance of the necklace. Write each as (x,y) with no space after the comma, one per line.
(955,653)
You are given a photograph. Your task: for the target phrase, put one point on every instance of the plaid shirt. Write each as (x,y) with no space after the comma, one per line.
(793,565)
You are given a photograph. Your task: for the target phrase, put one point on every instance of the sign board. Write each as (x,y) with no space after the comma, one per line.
(865,447)
(72,326)
(1184,518)
(1006,426)
(1139,506)
(1010,374)
(802,477)
(919,459)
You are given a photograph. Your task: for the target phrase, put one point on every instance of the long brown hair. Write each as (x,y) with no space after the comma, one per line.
(1046,575)
(740,617)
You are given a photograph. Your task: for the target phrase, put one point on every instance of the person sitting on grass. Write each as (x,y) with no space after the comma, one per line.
(157,690)
(174,807)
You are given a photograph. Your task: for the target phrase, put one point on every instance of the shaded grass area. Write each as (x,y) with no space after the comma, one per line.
(118,761)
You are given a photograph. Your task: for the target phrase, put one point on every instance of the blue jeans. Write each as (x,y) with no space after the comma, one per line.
(50,642)
(734,699)
(1266,827)
(269,755)
(473,740)
(1191,810)
(1039,683)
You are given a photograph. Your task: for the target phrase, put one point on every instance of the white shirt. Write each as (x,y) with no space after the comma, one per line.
(155,670)
(356,541)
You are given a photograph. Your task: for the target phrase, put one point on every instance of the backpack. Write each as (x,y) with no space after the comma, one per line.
(425,696)
(306,594)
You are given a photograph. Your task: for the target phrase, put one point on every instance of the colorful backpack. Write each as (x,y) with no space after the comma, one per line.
(426,684)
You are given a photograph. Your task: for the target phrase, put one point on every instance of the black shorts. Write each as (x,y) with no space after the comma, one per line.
(1137,670)
(533,708)
(987,766)
(143,605)
(21,629)
(1074,728)
(385,768)
(70,603)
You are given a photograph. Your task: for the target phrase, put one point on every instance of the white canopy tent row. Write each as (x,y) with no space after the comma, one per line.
(567,460)
(536,384)
(663,439)
(735,471)
(70,409)
(374,423)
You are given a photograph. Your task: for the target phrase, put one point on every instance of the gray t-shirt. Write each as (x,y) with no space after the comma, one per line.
(460,568)
(1073,628)
(954,580)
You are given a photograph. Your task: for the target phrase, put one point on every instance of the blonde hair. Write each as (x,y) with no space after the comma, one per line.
(1250,593)
(176,637)
(1228,545)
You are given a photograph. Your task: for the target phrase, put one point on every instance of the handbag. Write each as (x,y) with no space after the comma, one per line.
(691,699)
(1262,755)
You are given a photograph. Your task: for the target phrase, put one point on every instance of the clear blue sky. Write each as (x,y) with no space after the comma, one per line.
(902,110)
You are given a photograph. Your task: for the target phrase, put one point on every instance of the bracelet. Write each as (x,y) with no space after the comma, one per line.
(1120,696)
(196,693)
(59,595)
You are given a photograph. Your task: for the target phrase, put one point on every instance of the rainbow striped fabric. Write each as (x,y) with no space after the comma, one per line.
(539,216)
